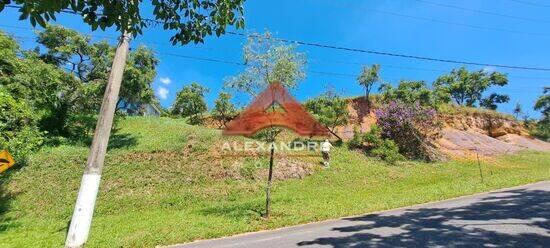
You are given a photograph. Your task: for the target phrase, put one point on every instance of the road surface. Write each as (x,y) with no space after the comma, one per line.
(515,217)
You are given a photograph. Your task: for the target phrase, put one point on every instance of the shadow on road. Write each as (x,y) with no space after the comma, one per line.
(515,218)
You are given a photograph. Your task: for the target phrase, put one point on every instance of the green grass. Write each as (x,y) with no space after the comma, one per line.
(453,109)
(162,185)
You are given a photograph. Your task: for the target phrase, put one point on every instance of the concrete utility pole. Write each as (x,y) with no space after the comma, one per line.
(87,194)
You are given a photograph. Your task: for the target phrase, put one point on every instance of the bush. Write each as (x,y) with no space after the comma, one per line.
(18,129)
(388,151)
(357,139)
(412,127)
(374,145)
(541,130)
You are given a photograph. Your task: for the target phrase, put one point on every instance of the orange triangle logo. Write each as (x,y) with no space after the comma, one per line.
(294,117)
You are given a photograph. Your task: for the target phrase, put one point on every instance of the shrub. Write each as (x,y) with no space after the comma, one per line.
(357,140)
(412,127)
(388,151)
(18,130)
(374,145)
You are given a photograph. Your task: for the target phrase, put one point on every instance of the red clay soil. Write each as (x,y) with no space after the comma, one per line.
(461,136)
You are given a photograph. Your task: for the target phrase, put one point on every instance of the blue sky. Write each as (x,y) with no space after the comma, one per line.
(518,35)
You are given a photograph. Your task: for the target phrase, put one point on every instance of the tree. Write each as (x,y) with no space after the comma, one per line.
(193,20)
(19,133)
(517,110)
(224,111)
(466,88)
(542,129)
(368,77)
(89,62)
(330,110)
(190,103)
(43,87)
(411,127)
(268,60)
(492,100)
(543,103)
(411,92)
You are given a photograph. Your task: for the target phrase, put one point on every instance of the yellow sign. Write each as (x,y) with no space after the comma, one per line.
(6,161)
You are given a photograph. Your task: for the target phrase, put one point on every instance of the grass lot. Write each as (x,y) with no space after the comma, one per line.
(158,189)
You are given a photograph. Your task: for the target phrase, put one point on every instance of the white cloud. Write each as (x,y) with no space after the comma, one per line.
(162,93)
(165,80)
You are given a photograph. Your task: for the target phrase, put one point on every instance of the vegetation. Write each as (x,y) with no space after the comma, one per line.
(412,92)
(467,88)
(517,111)
(542,128)
(268,60)
(162,186)
(411,127)
(18,127)
(368,77)
(224,111)
(191,20)
(492,100)
(190,103)
(330,110)
(374,145)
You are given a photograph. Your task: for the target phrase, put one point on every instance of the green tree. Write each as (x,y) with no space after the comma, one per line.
(268,60)
(330,110)
(368,77)
(18,127)
(44,87)
(465,87)
(517,110)
(191,20)
(542,129)
(543,103)
(492,100)
(411,92)
(224,111)
(90,63)
(190,103)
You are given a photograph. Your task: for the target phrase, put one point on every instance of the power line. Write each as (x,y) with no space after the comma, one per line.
(530,3)
(459,24)
(313,60)
(396,54)
(384,53)
(483,12)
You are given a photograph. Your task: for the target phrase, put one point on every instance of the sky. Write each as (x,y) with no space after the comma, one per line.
(505,32)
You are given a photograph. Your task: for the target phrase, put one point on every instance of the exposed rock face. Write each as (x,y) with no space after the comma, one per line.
(484,124)
(464,133)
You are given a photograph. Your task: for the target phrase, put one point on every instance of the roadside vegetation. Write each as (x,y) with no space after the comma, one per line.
(161,186)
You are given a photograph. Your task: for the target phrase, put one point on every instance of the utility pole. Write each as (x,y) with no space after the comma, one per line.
(87,194)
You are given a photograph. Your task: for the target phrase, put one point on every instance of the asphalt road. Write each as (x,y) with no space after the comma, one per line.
(515,217)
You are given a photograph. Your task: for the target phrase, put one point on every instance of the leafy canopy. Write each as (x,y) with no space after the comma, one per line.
(368,77)
(467,88)
(330,110)
(224,111)
(268,60)
(191,20)
(411,92)
(190,103)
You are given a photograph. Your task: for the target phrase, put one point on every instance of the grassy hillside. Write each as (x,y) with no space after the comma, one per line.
(163,184)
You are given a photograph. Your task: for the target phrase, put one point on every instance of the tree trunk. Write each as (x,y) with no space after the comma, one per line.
(87,194)
(269,178)
(333,133)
